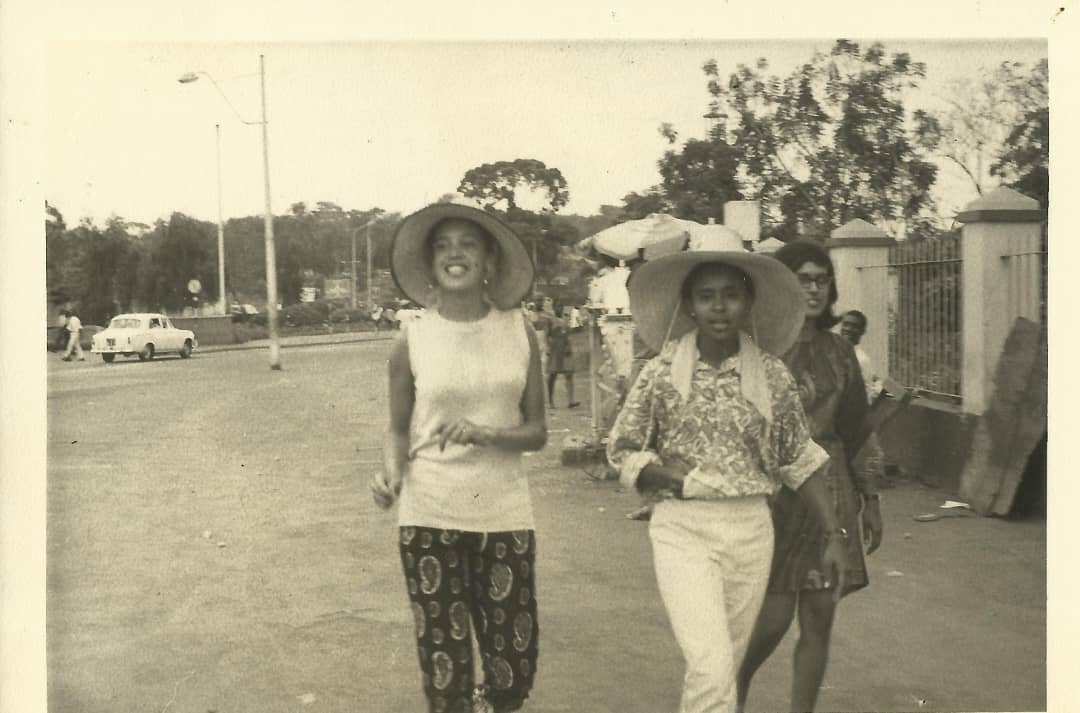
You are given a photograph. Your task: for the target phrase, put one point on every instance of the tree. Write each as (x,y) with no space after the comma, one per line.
(976,127)
(502,185)
(1025,162)
(181,249)
(829,142)
(93,268)
(696,181)
(57,256)
(638,205)
(699,179)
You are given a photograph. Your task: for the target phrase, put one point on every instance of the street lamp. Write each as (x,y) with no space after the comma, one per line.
(268,217)
(220,228)
(366,227)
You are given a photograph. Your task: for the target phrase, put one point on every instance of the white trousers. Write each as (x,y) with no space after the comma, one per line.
(73,346)
(712,560)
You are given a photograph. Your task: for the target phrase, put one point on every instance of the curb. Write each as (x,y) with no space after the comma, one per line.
(315,342)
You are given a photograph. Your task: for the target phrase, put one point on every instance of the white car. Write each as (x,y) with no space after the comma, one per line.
(143,334)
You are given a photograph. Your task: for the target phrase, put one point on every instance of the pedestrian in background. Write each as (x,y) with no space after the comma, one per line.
(466,400)
(712,426)
(541,323)
(62,333)
(830,387)
(871,458)
(560,356)
(573,319)
(74,326)
(377,316)
(853,326)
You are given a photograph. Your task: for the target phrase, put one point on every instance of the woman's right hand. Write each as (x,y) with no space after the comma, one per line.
(385,487)
(677,470)
(666,477)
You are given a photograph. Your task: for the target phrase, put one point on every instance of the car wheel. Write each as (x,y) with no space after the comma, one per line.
(147,353)
(185,351)
(108,358)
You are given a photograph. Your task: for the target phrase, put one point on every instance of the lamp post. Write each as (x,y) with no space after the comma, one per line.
(352,267)
(367,239)
(220,228)
(268,216)
(366,227)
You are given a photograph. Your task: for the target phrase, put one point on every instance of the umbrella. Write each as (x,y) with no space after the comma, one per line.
(655,236)
(626,240)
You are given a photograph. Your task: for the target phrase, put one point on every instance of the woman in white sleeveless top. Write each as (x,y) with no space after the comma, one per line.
(466,400)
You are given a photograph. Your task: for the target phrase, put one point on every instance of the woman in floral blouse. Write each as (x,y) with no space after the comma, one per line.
(712,426)
(830,387)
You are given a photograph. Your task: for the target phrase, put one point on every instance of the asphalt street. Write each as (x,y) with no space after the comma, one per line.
(213,546)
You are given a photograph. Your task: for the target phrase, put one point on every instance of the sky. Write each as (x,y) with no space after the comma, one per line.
(396,124)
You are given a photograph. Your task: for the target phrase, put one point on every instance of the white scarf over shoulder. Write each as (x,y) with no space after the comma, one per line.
(753,384)
(752,380)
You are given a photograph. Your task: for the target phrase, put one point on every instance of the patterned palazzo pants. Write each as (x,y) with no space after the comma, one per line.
(459,582)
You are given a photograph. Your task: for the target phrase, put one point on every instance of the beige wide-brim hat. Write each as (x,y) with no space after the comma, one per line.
(777,314)
(409,265)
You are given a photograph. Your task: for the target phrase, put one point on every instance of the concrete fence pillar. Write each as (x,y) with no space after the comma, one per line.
(996,225)
(859,252)
(744,217)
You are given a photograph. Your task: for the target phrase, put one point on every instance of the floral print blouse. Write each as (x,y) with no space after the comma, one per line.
(715,429)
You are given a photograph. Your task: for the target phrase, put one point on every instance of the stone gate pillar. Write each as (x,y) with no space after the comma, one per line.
(859,252)
(998,224)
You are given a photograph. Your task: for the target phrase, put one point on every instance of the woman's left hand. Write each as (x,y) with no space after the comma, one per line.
(464,432)
(871,525)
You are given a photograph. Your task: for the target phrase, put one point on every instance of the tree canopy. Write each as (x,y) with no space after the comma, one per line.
(830,141)
(501,185)
(696,181)
(996,125)
(125,266)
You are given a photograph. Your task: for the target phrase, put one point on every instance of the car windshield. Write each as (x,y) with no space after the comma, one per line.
(124,323)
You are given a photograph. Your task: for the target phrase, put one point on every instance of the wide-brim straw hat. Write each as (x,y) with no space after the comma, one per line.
(777,314)
(409,261)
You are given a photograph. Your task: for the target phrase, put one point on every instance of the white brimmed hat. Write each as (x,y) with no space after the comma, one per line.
(779,306)
(409,266)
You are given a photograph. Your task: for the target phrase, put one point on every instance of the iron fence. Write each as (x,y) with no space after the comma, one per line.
(924,289)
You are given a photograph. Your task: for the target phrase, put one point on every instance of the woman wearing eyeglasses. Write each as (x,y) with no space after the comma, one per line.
(831,389)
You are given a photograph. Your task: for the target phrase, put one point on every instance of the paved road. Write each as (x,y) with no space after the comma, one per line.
(213,547)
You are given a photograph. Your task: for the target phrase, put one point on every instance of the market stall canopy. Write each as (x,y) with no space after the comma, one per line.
(702,237)
(626,241)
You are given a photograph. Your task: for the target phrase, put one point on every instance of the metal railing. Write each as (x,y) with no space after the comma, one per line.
(924,289)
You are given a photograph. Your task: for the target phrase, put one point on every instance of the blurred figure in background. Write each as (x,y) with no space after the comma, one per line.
(74,326)
(560,356)
(61,334)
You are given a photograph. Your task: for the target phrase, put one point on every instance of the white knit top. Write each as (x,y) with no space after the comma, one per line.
(475,370)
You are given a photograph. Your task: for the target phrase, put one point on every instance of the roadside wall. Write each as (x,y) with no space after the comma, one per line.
(210,331)
(929,443)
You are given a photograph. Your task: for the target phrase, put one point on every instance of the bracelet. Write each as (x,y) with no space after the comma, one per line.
(838,531)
